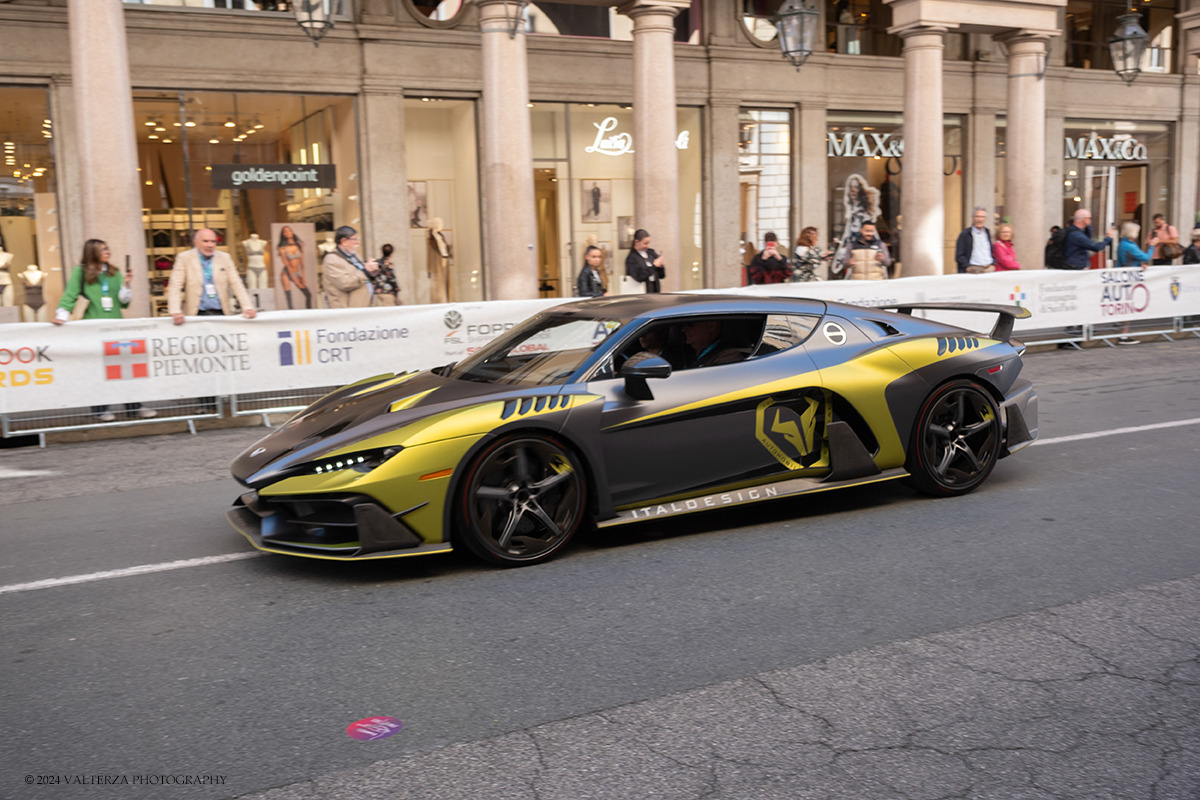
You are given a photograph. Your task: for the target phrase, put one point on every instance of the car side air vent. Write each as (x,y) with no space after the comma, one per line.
(521,406)
(888,330)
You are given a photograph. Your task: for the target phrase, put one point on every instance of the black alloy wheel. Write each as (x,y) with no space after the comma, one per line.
(956,440)
(521,501)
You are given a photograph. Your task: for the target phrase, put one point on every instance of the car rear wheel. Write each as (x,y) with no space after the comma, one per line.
(956,440)
(521,501)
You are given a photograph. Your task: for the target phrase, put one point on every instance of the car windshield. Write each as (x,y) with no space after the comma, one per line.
(544,351)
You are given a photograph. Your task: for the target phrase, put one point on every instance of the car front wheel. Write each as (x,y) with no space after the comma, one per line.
(956,440)
(521,501)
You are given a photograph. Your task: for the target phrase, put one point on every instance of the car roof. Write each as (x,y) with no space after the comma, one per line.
(678,305)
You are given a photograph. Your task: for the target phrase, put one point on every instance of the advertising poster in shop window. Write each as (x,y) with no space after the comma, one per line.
(597,201)
(418,205)
(294,262)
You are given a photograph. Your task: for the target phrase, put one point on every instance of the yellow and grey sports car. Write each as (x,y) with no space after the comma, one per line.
(617,410)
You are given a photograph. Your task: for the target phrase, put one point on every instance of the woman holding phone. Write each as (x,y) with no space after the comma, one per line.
(643,264)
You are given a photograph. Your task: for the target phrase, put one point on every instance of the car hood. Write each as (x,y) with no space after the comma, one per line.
(354,413)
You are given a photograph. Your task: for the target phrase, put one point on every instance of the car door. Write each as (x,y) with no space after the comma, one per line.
(714,426)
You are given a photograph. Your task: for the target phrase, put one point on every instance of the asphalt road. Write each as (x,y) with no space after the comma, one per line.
(252,669)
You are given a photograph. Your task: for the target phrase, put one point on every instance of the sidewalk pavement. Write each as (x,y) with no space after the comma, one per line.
(1093,700)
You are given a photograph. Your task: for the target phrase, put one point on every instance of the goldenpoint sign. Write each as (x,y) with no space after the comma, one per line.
(889,145)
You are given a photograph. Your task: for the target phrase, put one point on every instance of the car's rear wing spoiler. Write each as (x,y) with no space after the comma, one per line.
(1004,325)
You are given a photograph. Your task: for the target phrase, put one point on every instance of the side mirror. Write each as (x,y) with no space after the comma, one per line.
(636,370)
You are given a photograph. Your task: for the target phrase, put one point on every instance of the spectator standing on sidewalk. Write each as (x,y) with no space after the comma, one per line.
(973,251)
(1130,255)
(347,277)
(102,287)
(589,283)
(1167,248)
(204,282)
(1078,248)
(387,291)
(1192,254)
(808,258)
(1002,249)
(770,266)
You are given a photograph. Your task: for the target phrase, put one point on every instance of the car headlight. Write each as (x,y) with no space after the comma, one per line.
(362,461)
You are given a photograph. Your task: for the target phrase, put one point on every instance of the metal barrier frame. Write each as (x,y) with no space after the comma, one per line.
(281,402)
(9,430)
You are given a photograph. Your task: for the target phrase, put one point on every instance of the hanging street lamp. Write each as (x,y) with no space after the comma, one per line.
(797,24)
(1127,46)
(315,17)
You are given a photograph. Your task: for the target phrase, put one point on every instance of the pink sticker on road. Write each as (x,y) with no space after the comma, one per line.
(370,728)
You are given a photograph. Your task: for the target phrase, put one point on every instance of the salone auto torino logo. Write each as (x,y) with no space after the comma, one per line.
(790,437)
(1124,292)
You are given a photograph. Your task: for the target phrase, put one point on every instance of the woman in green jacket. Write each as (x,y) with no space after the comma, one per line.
(102,285)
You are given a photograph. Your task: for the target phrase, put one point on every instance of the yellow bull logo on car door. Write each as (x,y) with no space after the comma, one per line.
(794,439)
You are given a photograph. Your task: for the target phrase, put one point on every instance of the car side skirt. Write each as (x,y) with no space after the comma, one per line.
(744,496)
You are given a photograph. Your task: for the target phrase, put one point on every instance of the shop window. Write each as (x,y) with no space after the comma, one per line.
(866,177)
(1119,170)
(759,18)
(444,14)
(223,5)
(443,199)
(1090,23)
(583,190)
(765,178)
(30,259)
(600,22)
(190,148)
(859,28)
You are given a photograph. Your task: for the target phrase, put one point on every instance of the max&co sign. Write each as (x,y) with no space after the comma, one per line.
(868,145)
(1105,149)
(887,145)
(274,176)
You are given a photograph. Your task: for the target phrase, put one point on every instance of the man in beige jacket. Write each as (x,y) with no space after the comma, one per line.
(202,280)
(347,277)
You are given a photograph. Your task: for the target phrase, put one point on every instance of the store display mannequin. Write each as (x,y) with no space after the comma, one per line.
(326,247)
(5,278)
(34,306)
(438,263)
(256,262)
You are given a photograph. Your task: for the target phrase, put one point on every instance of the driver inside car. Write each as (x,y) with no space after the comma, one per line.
(703,337)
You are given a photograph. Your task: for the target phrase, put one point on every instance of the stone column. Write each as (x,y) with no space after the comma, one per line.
(981,163)
(811,173)
(383,183)
(110,195)
(506,147)
(923,200)
(1025,158)
(722,195)
(655,161)
(1053,208)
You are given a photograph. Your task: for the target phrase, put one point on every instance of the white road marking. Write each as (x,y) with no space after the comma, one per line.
(200,562)
(1136,429)
(12,472)
(122,573)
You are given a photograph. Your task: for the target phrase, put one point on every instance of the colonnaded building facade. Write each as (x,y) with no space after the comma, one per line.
(491,141)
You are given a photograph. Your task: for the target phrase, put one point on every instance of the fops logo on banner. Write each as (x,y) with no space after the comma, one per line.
(125,360)
(295,347)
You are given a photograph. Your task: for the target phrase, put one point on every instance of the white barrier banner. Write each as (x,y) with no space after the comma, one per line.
(101,362)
